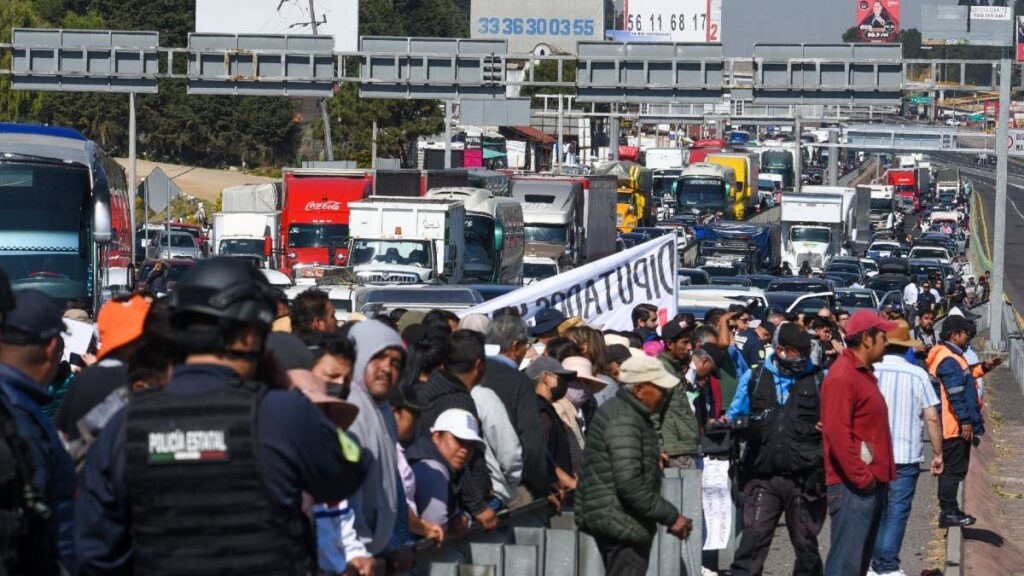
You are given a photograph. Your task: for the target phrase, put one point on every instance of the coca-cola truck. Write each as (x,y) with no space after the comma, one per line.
(905,185)
(315,218)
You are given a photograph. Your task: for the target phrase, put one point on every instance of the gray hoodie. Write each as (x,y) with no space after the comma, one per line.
(375,504)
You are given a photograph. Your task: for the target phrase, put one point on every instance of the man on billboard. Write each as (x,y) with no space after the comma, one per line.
(1020,38)
(879,20)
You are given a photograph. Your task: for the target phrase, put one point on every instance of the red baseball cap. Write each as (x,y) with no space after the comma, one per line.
(862,320)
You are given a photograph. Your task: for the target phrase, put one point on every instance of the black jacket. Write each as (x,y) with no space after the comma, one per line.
(517,394)
(443,391)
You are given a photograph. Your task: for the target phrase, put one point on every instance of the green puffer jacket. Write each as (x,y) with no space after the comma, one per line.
(619,492)
(676,426)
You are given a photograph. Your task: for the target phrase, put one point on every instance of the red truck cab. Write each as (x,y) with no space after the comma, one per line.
(701,148)
(904,183)
(315,217)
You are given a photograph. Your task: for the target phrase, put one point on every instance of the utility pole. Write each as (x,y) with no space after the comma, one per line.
(373,150)
(833,157)
(448,135)
(322,102)
(995,307)
(798,167)
(132,169)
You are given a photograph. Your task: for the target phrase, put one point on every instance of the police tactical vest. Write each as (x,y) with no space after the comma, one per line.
(784,440)
(18,500)
(199,505)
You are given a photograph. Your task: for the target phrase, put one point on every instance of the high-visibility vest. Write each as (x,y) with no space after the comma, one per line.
(939,353)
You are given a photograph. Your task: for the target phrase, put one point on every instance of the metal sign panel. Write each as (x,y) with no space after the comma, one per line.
(537,26)
(882,137)
(85,60)
(948,25)
(510,112)
(336,18)
(672,21)
(432,68)
(869,74)
(260,65)
(649,72)
(159,190)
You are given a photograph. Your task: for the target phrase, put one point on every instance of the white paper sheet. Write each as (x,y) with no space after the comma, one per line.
(717,504)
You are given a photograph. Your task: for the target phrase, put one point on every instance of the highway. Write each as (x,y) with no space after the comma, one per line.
(984,181)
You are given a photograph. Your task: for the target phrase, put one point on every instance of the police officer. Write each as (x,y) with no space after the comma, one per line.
(206,475)
(29,357)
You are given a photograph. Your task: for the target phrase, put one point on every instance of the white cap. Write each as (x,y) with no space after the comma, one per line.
(458,423)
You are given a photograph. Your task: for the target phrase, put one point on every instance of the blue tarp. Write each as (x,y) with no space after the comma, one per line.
(755,234)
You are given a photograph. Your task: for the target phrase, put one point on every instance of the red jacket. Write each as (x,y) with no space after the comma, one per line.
(853,412)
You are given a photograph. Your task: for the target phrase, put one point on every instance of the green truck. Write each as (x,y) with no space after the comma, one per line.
(779,162)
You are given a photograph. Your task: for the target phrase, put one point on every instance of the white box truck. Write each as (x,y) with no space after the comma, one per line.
(244,234)
(665,158)
(402,240)
(816,223)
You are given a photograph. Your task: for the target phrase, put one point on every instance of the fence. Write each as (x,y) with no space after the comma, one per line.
(520,549)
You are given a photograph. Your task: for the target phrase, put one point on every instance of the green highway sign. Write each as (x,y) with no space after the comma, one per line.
(921,99)
(976,118)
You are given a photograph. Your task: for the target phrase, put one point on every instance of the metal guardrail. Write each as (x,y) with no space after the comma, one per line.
(562,550)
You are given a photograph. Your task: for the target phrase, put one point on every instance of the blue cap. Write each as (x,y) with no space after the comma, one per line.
(545,321)
(35,320)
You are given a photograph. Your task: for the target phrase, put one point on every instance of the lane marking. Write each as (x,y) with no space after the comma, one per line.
(984,226)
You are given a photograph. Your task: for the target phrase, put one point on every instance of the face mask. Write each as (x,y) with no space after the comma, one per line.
(792,366)
(558,392)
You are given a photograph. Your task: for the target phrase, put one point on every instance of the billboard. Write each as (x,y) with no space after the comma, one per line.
(338,18)
(673,20)
(963,25)
(537,26)
(878,20)
(1020,38)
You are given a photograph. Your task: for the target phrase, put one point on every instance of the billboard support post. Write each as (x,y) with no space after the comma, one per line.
(373,146)
(798,159)
(561,134)
(447,134)
(322,103)
(132,188)
(995,308)
(613,135)
(833,158)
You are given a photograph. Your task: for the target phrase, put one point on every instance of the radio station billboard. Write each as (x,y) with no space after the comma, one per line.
(878,20)
(698,21)
(1020,38)
(338,18)
(538,26)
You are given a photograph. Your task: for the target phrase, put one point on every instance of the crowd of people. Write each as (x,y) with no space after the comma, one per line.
(223,429)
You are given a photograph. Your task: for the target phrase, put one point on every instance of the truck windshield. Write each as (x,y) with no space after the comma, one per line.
(479,244)
(315,235)
(625,198)
(802,234)
(402,252)
(539,270)
(241,246)
(701,193)
(43,226)
(905,190)
(881,204)
(178,241)
(547,235)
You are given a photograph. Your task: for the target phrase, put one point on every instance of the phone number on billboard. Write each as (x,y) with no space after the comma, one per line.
(667,22)
(537,26)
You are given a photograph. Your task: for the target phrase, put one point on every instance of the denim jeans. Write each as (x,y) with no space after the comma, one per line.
(855,516)
(886,557)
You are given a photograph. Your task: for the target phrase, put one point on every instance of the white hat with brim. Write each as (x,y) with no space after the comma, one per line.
(458,423)
(639,370)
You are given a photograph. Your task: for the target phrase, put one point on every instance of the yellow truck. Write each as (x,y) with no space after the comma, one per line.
(744,194)
(634,206)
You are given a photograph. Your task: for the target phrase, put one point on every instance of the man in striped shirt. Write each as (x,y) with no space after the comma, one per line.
(912,402)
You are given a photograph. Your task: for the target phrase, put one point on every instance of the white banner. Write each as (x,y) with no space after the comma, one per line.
(606,291)
(676,20)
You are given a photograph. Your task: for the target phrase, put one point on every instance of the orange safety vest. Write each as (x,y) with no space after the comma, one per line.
(938,353)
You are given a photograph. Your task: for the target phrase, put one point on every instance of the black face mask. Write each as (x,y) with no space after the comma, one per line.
(792,366)
(558,392)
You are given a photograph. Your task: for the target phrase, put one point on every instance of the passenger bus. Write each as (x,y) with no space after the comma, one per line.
(66,222)
(495,235)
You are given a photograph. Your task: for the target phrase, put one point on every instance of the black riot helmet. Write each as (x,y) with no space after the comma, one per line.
(215,297)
